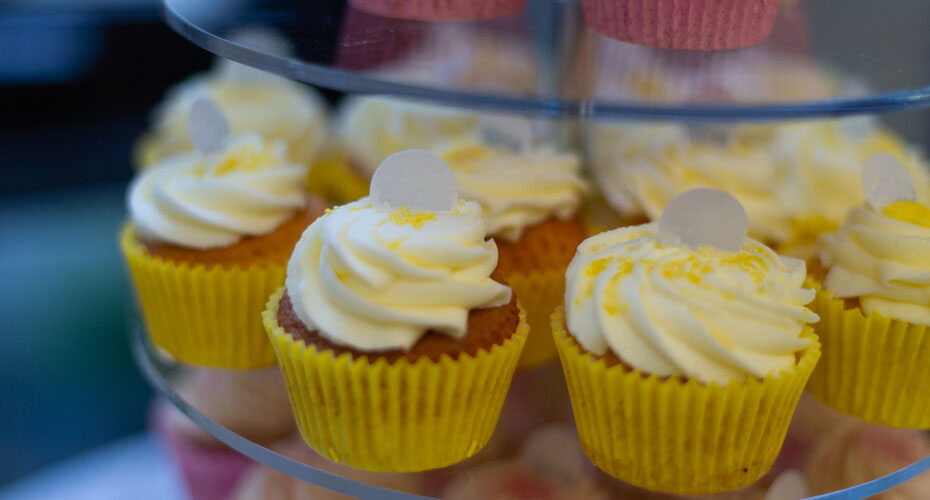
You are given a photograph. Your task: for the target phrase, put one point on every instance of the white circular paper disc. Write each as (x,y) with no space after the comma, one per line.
(704,217)
(207,126)
(414,178)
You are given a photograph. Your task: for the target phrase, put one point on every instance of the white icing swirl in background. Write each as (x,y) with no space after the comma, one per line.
(374,128)
(820,166)
(515,190)
(379,280)
(707,314)
(251,101)
(640,171)
(248,189)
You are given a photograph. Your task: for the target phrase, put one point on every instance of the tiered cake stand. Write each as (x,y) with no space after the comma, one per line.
(547,63)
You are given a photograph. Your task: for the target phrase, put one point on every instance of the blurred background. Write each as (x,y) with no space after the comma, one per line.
(77,80)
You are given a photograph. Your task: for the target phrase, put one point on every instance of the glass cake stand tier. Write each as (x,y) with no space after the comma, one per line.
(534,439)
(823,58)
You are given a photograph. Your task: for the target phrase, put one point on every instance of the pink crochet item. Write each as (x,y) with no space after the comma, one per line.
(440,10)
(683,24)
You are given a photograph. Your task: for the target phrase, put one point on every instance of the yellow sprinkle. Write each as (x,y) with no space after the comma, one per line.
(597,266)
(328,211)
(909,211)
(403,216)
(245,159)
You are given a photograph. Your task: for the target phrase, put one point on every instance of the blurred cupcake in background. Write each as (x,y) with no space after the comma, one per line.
(492,57)
(254,101)
(252,404)
(374,128)
(428,10)
(549,466)
(264,483)
(208,238)
(811,422)
(820,163)
(856,452)
(530,196)
(641,167)
(873,302)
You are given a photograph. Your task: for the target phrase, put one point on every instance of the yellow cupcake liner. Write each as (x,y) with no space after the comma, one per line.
(539,292)
(209,316)
(332,177)
(874,367)
(394,417)
(679,436)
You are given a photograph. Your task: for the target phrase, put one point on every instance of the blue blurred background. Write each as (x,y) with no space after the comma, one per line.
(77,81)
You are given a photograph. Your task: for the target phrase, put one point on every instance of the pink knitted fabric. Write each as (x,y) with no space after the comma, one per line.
(683,24)
(440,10)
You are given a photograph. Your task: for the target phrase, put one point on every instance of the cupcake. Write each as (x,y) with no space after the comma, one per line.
(426,10)
(874,306)
(641,167)
(253,101)
(253,404)
(685,346)
(530,200)
(856,453)
(819,163)
(264,483)
(208,240)
(396,342)
(693,25)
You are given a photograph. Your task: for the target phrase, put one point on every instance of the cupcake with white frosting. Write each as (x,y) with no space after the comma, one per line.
(530,200)
(685,346)
(819,164)
(874,303)
(208,238)
(389,307)
(275,108)
(641,167)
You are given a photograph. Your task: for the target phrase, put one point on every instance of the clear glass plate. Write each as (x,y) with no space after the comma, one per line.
(536,405)
(823,58)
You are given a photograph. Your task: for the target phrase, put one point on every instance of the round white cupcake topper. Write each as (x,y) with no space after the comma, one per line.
(414,178)
(704,217)
(885,181)
(207,126)
(514,133)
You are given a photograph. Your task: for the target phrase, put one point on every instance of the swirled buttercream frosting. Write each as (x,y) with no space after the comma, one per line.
(208,201)
(516,190)
(882,257)
(673,310)
(379,279)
